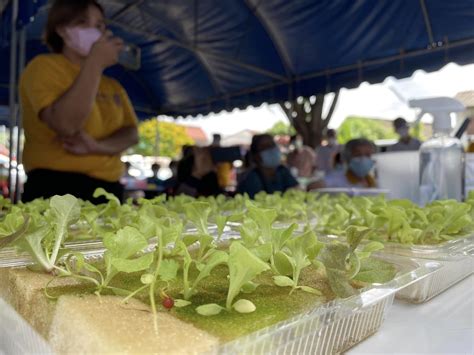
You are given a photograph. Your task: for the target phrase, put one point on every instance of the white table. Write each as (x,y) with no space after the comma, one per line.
(443,325)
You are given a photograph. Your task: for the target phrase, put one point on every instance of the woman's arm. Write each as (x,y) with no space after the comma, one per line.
(66,116)
(116,143)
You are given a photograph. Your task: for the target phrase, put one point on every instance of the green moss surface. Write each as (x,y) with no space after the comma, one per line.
(274,304)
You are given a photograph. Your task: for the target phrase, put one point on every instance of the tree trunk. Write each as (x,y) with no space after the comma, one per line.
(307,117)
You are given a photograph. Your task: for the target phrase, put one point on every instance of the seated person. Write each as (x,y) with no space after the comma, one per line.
(301,158)
(170,183)
(154,182)
(357,156)
(406,141)
(197,174)
(267,174)
(326,154)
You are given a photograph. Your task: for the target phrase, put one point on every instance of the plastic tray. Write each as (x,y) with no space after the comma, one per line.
(330,328)
(456,256)
(336,326)
(352,191)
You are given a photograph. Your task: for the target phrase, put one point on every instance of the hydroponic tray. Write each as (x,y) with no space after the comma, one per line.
(330,328)
(456,256)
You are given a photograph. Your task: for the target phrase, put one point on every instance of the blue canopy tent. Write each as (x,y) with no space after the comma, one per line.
(201,56)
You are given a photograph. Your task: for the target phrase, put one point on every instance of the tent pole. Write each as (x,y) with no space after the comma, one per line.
(22,63)
(426,18)
(12,93)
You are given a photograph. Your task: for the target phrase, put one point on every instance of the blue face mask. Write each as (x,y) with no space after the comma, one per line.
(271,158)
(361,166)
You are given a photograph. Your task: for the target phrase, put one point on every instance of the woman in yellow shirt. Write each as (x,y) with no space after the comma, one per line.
(77,121)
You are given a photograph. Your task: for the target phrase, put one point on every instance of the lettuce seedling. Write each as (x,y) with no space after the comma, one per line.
(46,234)
(243,267)
(298,254)
(198,214)
(344,263)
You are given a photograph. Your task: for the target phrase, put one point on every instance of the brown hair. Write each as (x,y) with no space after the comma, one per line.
(62,13)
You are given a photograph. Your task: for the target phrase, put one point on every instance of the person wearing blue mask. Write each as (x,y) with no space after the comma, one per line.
(357,155)
(267,174)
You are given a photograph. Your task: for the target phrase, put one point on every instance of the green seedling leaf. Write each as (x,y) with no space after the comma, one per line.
(198,214)
(243,267)
(263,251)
(355,235)
(168,270)
(100,192)
(372,247)
(249,233)
(264,218)
(310,290)
(375,271)
(221,222)
(334,256)
(283,281)
(249,287)
(283,263)
(217,258)
(125,243)
(32,243)
(132,265)
(210,309)
(65,210)
(12,238)
(179,303)
(244,306)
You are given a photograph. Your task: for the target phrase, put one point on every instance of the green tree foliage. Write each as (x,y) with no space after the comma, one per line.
(171,138)
(358,127)
(282,128)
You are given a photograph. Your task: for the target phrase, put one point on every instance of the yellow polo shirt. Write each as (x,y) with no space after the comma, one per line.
(44,80)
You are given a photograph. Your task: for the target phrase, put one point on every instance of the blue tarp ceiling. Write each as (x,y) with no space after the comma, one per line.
(201,56)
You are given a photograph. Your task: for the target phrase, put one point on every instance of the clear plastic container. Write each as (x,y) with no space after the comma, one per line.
(394,167)
(353,191)
(330,328)
(336,326)
(456,256)
(441,169)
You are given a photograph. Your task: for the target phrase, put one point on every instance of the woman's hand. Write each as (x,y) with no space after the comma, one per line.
(105,52)
(81,144)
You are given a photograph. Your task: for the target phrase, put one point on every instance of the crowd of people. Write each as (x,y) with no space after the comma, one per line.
(263,166)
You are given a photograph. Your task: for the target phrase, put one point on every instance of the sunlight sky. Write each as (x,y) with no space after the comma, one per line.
(386,100)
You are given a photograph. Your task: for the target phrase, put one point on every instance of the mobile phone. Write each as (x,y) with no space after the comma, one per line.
(130,57)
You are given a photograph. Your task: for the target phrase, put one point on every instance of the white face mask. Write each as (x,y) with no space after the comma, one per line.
(82,39)
(403,132)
